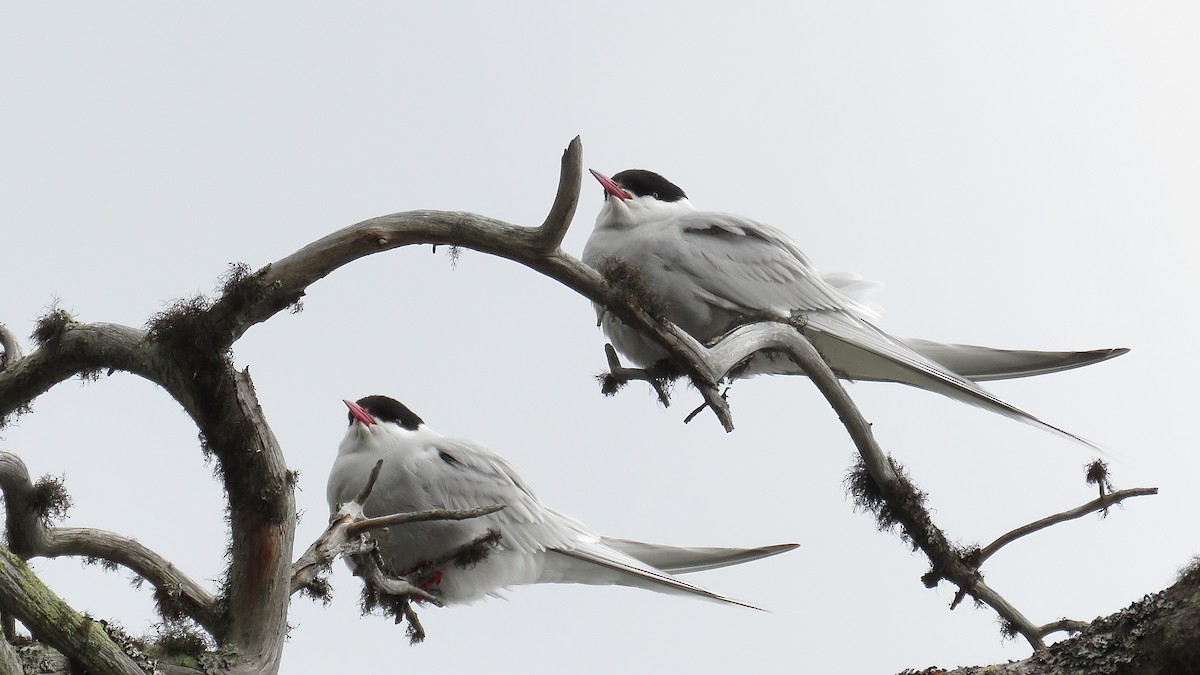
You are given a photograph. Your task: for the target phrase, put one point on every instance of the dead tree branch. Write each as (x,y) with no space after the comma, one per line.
(902,499)
(1093,506)
(30,536)
(178,354)
(1153,636)
(9,661)
(50,619)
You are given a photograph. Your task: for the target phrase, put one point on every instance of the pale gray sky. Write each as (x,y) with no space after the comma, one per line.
(1017,174)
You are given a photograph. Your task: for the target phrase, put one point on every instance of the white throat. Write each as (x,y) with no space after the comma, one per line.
(620,214)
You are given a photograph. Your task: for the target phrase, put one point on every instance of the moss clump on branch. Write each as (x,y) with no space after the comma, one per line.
(180,638)
(889,514)
(51,325)
(319,589)
(50,500)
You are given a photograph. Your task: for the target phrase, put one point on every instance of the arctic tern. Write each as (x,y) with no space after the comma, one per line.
(424,470)
(711,272)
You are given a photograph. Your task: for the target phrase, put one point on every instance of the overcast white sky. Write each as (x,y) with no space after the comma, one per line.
(1017,174)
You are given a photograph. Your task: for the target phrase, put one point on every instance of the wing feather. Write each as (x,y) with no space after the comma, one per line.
(742,265)
(479,477)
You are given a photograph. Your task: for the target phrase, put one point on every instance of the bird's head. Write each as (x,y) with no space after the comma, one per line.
(377,414)
(637,196)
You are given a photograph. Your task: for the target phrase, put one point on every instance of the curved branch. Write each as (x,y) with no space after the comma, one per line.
(23,525)
(901,496)
(221,401)
(196,602)
(81,348)
(1093,506)
(554,228)
(50,619)
(30,537)
(281,284)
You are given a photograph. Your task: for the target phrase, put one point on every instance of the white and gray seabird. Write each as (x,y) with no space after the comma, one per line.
(424,470)
(710,272)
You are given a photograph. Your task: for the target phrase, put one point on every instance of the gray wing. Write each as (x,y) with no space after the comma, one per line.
(986,363)
(744,266)
(684,559)
(857,350)
(475,477)
(468,475)
(597,562)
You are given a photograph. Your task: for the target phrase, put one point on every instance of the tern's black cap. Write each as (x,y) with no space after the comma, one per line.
(643,183)
(386,409)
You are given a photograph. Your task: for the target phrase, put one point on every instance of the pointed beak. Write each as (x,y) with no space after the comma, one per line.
(359,413)
(610,187)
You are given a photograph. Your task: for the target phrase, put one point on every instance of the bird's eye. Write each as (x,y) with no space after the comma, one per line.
(655,195)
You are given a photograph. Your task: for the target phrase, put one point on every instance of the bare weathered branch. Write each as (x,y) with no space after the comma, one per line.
(618,375)
(193,599)
(9,661)
(368,524)
(369,486)
(50,619)
(373,575)
(283,283)
(198,374)
(78,349)
(263,517)
(30,537)
(1098,504)
(24,528)
(1062,625)
(562,212)
(902,497)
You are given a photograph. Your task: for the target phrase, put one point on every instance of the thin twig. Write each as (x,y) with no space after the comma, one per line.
(620,375)
(1098,504)
(360,526)
(416,632)
(372,574)
(1067,625)
(365,492)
